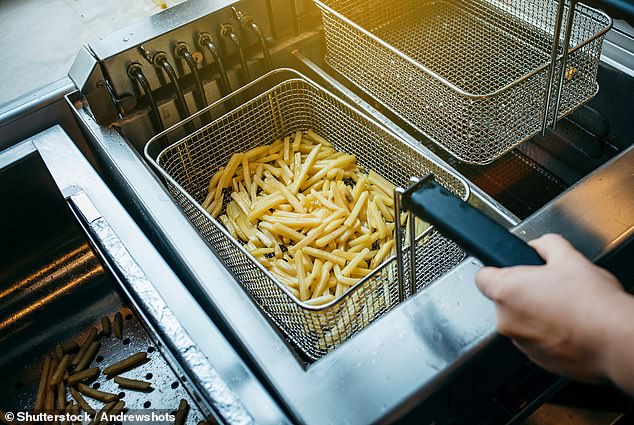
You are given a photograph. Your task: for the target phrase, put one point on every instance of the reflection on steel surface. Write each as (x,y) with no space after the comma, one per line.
(223,399)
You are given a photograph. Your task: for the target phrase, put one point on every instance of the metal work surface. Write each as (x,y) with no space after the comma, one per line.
(381,373)
(232,355)
(484,65)
(148,282)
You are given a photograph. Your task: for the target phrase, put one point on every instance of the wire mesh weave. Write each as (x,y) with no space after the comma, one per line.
(297,104)
(470,75)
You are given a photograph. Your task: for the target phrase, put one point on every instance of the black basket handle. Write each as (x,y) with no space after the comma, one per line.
(478,234)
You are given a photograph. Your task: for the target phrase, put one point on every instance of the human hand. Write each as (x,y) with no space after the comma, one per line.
(562,314)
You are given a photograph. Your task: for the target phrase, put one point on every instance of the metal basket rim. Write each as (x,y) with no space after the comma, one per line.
(447,83)
(196,204)
(460,157)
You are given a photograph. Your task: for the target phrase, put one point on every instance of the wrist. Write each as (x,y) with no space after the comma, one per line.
(615,336)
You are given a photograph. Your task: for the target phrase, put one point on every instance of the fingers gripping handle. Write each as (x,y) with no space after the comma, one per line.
(479,235)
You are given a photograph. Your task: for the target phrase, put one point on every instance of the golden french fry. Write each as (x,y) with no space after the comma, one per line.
(324,255)
(357,209)
(308,213)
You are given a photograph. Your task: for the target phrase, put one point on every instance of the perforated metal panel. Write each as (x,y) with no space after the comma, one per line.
(297,104)
(471,75)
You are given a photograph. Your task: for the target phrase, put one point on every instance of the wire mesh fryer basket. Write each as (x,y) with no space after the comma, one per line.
(472,75)
(295,103)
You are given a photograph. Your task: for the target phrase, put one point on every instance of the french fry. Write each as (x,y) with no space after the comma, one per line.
(382,254)
(81,401)
(92,335)
(212,185)
(105,325)
(126,364)
(381,183)
(354,262)
(287,149)
(96,394)
(308,213)
(181,413)
(61,396)
(133,384)
(82,376)
(88,356)
(324,255)
(357,209)
(118,325)
(324,299)
(265,204)
(317,138)
(297,140)
(102,415)
(58,375)
(310,161)
(323,280)
(41,389)
(70,347)
(301,278)
(255,152)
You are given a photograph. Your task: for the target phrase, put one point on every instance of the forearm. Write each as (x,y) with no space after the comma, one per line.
(617,356)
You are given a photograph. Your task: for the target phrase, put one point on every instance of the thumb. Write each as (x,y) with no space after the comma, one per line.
(488,279)
(552,247)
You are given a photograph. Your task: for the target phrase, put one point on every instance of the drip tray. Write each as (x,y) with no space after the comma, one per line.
(78,296)
(54,289)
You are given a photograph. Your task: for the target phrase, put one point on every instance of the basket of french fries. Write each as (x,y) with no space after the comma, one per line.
(293,189)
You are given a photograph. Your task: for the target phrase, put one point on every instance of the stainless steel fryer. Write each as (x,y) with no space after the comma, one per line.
(296,103)
(472,76)
(435,357)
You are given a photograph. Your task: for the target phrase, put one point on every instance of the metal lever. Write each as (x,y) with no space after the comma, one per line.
(479,235)
(135,72)
(182,51)
(226,31)
(248,22)
(564,60)
(205,41)
(160,60)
